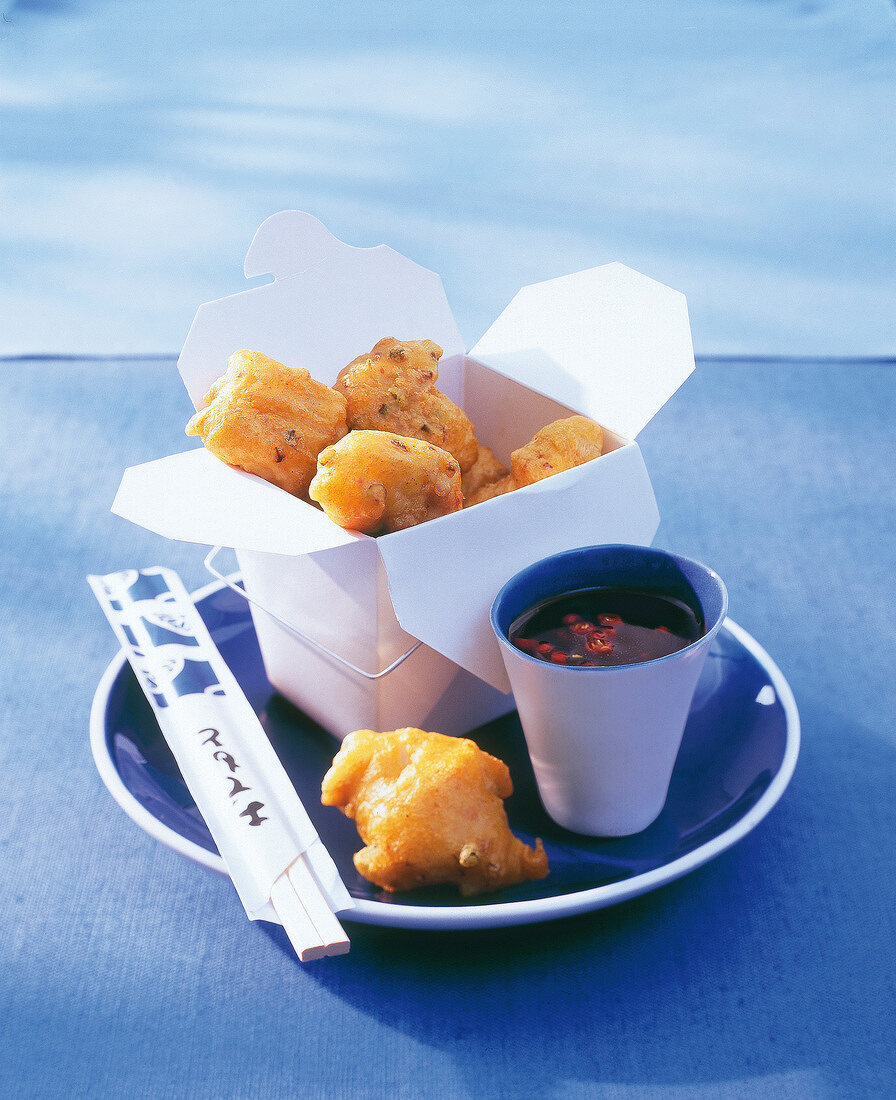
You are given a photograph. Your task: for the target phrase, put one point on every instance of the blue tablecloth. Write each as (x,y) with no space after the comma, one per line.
(127,971)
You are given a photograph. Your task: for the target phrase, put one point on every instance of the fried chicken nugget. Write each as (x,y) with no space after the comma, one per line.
(270,420)
(429,809)
(557,447)
(378,482)
(491,489)
(392,389)
(482,476)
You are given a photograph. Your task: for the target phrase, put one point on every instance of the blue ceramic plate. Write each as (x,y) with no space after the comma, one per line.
(737,756)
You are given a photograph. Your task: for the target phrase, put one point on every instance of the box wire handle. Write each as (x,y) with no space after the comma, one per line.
(234,587)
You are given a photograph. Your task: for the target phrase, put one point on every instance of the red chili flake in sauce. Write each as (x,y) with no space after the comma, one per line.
(597,643)
(634,626)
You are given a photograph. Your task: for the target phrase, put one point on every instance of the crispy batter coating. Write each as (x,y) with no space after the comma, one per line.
(429,809)
(393,389)
(491,489)
(557,447)
(483,475)
(270,420)
(378,482)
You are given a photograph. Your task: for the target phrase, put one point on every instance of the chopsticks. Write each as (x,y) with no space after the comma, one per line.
(276,860)
(307,919)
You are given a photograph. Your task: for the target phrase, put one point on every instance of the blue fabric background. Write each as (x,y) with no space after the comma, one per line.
(743,152)
(126,971)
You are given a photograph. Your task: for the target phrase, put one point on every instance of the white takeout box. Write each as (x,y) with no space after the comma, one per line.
(332,608)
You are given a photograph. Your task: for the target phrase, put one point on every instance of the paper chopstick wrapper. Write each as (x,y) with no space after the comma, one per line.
(279,866)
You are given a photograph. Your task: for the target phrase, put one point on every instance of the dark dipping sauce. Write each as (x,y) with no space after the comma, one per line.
(605,626)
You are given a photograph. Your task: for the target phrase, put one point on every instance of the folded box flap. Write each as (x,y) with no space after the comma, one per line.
(608,341)
(288,242)
(329,302)
(444,574)
(194,497)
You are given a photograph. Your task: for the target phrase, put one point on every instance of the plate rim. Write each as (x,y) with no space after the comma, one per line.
(496,914)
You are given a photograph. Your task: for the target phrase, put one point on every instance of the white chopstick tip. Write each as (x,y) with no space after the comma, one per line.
(309,922)
(309,954)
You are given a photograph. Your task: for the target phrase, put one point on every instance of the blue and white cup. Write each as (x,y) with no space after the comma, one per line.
(603,739)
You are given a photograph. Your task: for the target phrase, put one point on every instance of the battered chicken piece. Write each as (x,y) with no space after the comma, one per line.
(377,482)
(393,389)
(429,809)
(483,475)
(270,420)
(557,447)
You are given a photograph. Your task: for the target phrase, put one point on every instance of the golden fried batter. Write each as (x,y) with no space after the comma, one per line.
(270,420)
(557,447)
(392,389)
(429,809)
(378,482)
(491,489)
(483,475)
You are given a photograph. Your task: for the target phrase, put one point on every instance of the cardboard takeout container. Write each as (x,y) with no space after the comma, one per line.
(332,608)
